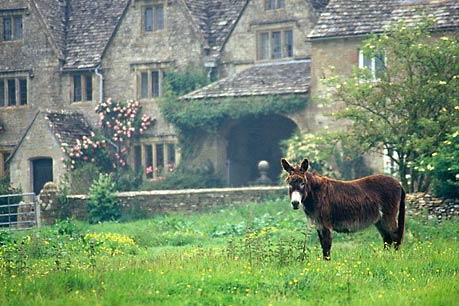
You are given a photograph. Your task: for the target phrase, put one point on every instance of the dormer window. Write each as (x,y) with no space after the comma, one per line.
(274,4)
(153,18)
(81,87)
(12,27)
(275,44)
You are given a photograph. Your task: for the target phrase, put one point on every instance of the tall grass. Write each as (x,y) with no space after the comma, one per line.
(259,254)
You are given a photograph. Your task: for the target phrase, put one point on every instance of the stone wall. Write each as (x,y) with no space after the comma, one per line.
(146,204)
(420,204)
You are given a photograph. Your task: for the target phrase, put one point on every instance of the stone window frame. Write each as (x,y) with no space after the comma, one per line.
(17,31)
(149,69)
(372,64)
(285,51)
(155,26)
(19,82)
(271,5)
(159,154)
(83,94)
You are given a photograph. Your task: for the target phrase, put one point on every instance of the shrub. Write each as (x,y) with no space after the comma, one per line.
(102,205)
(183,178)
(444,167)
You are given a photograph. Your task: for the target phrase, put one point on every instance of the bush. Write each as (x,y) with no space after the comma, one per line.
(102,205)
(444,167)
(183,178)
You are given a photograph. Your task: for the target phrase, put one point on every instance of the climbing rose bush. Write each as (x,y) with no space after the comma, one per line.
(107,146)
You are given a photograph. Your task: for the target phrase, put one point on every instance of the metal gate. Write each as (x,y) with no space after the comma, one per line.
(18,211)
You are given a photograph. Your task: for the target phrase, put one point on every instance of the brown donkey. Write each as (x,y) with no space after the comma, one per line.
(347,206)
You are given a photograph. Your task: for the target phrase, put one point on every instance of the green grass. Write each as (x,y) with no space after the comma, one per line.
(251,255)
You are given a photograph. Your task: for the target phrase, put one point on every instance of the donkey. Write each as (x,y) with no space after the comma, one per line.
(347,206)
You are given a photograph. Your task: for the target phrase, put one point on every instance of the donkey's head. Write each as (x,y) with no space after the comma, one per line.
(297,181)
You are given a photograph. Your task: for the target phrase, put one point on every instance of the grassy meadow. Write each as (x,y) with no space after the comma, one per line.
(257,254)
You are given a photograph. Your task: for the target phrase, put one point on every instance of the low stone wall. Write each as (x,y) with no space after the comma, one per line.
(145,204)
(420,204)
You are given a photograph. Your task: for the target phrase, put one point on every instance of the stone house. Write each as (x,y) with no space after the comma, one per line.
(58,58)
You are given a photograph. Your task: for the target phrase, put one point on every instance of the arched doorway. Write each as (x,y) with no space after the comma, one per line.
(252,139)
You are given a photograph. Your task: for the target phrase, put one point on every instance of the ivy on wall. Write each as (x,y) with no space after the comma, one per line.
(210,114)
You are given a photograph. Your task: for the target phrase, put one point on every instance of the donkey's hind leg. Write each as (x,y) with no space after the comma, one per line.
(388,233)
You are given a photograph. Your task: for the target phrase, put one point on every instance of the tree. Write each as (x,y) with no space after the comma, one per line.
(411,106)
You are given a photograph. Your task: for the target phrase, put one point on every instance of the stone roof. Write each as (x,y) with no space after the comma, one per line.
(68,127)
(359,17)
(53,14)
(81,29)
(90,27)
(216,19)
(278,78)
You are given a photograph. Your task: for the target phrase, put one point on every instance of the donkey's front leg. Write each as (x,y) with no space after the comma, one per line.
(325,236)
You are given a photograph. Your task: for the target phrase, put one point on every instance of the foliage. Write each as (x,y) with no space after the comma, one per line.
(443,165)
(412,105)
(107,147)
(210,114)
(329,154)
(102,204)
(183,178)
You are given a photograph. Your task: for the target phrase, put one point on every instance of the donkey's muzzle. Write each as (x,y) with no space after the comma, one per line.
(295,199)
(295,205)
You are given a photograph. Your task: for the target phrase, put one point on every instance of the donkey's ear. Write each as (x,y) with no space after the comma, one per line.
(285,164)
(304,165)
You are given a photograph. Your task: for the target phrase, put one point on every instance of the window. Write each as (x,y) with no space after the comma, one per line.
(4,155)
(13,91)
(153,18)
(150,84)
(376,65)
(12,28)
(156,158)
(82,87)
(275,44)
(274,4)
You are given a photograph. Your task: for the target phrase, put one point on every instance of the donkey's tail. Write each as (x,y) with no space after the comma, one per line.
(401,218)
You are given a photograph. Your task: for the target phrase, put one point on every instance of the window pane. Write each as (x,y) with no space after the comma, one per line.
(270,4)
(264,45)
(288,43)
(2,93)
(7,29)
(277,51)
(159,18)
(170,157)
(149,160)
(155,83)
(137,158)
(11,92)
(76,88)
(148,19)
(18,27)
(379,65)
(160,157)
(281,4)
(88,88)
(23,91)
(367,63)
(144,85)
